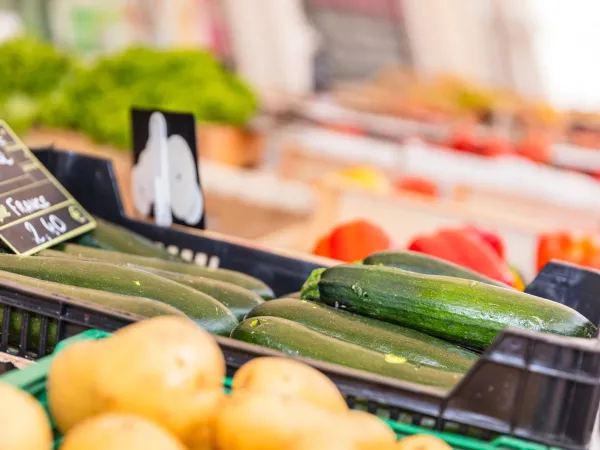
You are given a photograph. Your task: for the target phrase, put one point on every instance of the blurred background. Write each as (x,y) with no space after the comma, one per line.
(337,127)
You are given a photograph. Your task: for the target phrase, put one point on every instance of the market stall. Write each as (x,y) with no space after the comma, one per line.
(395,264)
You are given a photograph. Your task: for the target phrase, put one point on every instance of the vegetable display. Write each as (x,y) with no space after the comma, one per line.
(296,339)
(171,397)
(108,236)
(387,338)
(462,311)
(404,315)
(428,265)
(95,98)
(88,253)
(30,72)
(207,312)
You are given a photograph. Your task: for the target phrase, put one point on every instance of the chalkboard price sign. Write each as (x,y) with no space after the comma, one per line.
(36,212)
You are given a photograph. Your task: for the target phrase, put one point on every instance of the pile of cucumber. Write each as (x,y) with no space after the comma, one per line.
(399,314)
(117,269)
(404,315)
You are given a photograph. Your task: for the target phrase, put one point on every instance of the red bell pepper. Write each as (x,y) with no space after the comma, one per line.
(353,241)
(564,247)
(435,246)
(491,238)
(322,247)
(477,255)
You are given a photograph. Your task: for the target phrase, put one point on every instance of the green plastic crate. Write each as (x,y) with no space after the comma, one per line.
(33,380)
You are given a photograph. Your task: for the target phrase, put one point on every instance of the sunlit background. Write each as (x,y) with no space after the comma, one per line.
(413,114)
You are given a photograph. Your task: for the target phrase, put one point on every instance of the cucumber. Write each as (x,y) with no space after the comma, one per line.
(108,236)
(383,337)
(298,340)
(143,307)
(467,312)
(203,309)
(428,265)
(238,300)
(230,276)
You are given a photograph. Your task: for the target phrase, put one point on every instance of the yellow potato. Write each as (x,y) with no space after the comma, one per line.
(166,369)
(287,377)
(197,423)
(114,431)
(70,384)
(326,440)
(422,442)
(368,430)
(23,422)
(266,421)
(269,421)
(354,430)
(160,368)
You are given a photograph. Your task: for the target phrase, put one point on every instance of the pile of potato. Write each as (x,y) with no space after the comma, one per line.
(157,384)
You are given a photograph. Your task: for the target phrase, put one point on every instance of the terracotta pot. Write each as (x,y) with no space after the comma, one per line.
(230,145)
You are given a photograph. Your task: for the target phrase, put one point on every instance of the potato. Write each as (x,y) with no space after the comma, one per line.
(326,440)
(354,430)
(269,421)
(23,422)
(290,378)
(166,369)
(337,440)
(266,421)
(70,384)
(422,442)
(115,431)
(160,369)
(198,422)
(368,430)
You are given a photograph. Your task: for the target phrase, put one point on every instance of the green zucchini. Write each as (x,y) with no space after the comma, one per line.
(467,312)
(203,309)
(383,337)
(108,236)
(230,276)
(142,307)
(298,340)
(427,265)
(238,300)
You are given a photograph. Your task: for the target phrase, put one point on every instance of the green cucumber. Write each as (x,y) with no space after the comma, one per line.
(141,307)
(427,265)
(230,276)
(467,312)
(383,337)
(298,340)
(108,236)
(238,300)
(203,309)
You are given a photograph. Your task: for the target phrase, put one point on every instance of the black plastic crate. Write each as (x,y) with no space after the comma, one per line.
(6,366)
(92,181)
(534,386)
(48,313)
